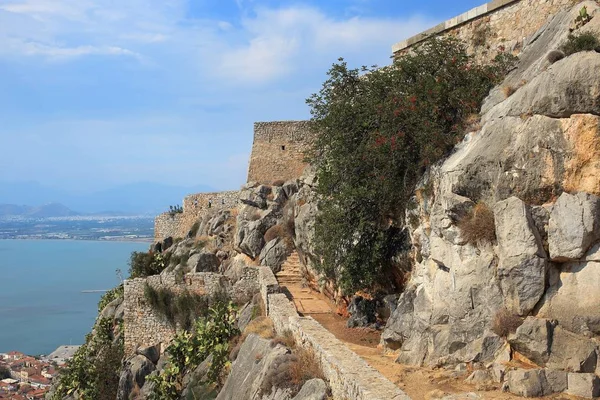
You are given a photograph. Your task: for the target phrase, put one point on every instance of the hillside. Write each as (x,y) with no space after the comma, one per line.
(44,211)
(443,243)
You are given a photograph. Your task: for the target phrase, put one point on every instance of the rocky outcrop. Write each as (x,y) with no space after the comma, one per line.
(535,161)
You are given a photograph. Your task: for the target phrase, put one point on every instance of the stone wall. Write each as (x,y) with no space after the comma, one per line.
(166,225)
(278,150)
(143,325)
(349,376)
(489,28)
(194,207)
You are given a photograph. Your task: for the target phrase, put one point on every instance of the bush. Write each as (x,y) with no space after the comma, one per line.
(210,336)
(377,131)
(554,56)
(580,42)
(4,372)
(180,309)
(95,368)
(506,323)
(479,225)
(142,264)
(175,210)
(285,339)
(110,296)
(291,371)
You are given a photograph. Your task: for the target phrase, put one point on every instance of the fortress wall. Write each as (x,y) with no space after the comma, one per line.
(278,150)
(491,27)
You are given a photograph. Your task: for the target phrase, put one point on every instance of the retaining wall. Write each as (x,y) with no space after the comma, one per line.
(278,150)
(349,376)
(491,27)
(142,324)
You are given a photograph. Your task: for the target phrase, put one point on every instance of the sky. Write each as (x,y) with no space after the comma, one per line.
(99,93)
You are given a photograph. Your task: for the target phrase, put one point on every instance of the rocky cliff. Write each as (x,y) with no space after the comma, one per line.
(533,164)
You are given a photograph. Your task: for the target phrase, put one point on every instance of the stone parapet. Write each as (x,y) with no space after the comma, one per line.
(492,27)
(349,376)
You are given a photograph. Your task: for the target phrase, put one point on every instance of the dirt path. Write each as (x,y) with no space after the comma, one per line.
(418,383)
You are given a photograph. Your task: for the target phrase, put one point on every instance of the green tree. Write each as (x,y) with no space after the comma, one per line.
(377,130)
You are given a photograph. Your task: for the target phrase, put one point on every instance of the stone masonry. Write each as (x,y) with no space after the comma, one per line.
(194,207)
(349,376)
(143,325)
(278,150)
(491,27)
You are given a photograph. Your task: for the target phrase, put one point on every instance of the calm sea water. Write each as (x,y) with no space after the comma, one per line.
(41,304)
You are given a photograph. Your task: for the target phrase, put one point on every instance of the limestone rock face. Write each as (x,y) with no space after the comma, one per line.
(134,373)
(274,254)
(535,161)
(574,225)
(522,267)
(249,369)
(533,339)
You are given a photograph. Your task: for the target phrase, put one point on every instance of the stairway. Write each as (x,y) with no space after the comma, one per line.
(290,279)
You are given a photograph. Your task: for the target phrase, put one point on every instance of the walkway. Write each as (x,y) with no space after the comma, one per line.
(418,383)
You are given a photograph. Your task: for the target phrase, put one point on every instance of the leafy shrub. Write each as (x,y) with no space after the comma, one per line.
(110,296)
(180,309)
(142,264)
(210,336)
(94,370)
(377,130)
(479,225)
(580,42)
(506,323)
(4,372)
(291,371)
(554,56)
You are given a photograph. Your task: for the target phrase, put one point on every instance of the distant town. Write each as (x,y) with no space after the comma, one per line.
(23,377)
(117,228)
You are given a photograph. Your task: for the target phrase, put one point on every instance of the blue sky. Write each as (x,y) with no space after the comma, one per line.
(98,93)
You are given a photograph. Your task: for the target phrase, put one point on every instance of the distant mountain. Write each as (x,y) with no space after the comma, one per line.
(135,198)
(45,211)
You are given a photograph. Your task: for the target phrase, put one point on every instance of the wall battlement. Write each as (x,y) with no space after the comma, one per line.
(497,25)
(278,150)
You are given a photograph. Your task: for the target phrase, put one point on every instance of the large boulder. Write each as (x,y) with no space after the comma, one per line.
(314,389)
(533,339)
(573,298)
(527,383)
(250,368)
(571,352)
(522,268)
(133,375)
(207,262)
(574,225)
(274,254)
(362,312)
(583,385)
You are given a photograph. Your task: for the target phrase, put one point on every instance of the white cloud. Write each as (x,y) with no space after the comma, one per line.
(265,45)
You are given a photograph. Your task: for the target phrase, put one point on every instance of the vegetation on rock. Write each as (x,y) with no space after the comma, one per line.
(93,372)
(142,264)
(378,129)
(180,309)
(478,226)
(110,296)
(580,42)
(210,337)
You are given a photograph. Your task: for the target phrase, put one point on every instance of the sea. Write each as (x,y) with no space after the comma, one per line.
(42,284)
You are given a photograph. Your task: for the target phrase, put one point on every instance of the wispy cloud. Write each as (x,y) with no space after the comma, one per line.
(96,81)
